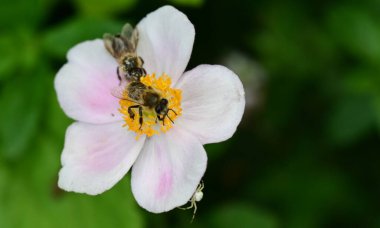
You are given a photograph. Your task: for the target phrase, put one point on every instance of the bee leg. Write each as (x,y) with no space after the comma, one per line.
(130,111)
(142,61)
(132,114)
(118,75)
(141,116)
(161,119)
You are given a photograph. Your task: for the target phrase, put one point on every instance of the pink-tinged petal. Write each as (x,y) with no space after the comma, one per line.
(84,84)
(212,102)
(168,170)
(166,38)
(95,157)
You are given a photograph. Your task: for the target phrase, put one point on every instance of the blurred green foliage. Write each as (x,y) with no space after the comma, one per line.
(99,8)
(305,155)
(74,33)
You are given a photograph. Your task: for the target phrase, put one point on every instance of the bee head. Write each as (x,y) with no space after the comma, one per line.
(135,74)
(130,62)
(162,107)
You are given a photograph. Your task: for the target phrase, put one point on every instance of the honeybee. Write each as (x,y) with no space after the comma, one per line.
(123,48)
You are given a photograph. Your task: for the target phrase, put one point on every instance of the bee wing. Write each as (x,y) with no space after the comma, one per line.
(130,37)
(126,31)
(114,45)
(119,91)
(126,42)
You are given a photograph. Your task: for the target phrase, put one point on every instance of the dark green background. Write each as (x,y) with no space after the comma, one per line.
(306,153)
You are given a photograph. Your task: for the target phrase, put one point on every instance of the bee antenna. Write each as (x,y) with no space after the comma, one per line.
(172,111)
(169,118)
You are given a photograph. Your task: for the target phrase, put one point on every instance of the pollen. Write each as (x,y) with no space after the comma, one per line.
(152,123)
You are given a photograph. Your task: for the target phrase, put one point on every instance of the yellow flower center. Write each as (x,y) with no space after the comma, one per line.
(152,122)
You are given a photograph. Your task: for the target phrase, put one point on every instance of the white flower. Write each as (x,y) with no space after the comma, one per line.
(167,166)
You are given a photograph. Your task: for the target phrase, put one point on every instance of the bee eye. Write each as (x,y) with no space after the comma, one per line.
(158,109)
(164,101)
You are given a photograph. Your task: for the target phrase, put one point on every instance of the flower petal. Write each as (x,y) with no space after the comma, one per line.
(166,38)
(96,157)
(84,84)
(213,102)
(168,170)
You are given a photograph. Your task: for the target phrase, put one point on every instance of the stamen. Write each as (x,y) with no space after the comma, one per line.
(151,123)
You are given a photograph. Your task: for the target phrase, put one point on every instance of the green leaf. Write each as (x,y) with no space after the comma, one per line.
(216,150)
(304,190)
(103,8)
(357,30)
(188,3)
(350,119)
(376,105)
(364,84)
(60,39)
(241,215)
(287,40)
(32,199)
(21,103)
(10,62)
(363,81)
(18,62)
(21,13)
